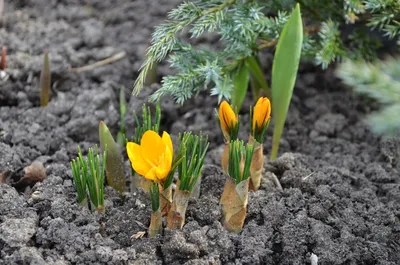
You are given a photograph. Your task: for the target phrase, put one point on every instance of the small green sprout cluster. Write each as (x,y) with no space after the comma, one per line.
(240,157)
(193,150)
(89,178)
(147,122)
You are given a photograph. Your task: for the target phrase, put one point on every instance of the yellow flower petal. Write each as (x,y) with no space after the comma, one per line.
(165,165)
(153,157)
(150,146)
(166,139)
(261,113)
(151,174)
(137,161)
(227,117)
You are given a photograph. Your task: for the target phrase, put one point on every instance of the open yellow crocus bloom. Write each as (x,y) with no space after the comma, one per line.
(227,118)
(261,113)
(153,157)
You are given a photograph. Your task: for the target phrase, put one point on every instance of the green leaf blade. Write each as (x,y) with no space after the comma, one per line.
(114,161)
(284,72)
(258,80)
(240,85)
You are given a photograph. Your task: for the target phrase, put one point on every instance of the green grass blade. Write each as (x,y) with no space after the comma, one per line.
(121,139)
(114,161)
(284,71)
(257,75)
(240,84)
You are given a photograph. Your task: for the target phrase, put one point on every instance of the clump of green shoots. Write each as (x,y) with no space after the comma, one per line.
(147,123)
(45,81)
(114,161)
(192,149)
(89,178)
(235,195)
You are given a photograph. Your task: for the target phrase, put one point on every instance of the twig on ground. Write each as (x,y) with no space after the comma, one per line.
(276,182)
(108,60)
(309,175)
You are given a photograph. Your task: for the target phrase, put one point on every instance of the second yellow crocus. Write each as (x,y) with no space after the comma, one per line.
(261,116)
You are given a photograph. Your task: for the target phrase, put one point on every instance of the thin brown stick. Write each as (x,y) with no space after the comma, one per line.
(3,61)
(108,60)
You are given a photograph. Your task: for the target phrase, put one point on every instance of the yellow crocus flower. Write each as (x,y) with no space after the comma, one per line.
(153,157)
(228,119)
(261,113)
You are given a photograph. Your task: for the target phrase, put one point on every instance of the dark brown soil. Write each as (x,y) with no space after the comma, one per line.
(341,184)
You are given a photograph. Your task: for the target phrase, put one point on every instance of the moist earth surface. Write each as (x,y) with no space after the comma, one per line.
(340,196)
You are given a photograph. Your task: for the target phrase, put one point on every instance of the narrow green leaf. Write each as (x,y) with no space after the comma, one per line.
(155,196)
(258,80)
(45,81)
(121,139)
(240,84)
(284,71)
(114,161)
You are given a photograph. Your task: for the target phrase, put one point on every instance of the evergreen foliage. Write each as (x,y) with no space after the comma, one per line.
(245,27)
(381,81)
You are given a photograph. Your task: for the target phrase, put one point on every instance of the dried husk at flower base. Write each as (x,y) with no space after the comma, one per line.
(176,216)
(257,164)
(234,204)
(141,182)
(225,158)
(155,223)
(165,199)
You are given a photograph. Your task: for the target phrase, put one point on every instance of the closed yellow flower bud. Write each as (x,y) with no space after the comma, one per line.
(153,157)
(261,114)
(228,120)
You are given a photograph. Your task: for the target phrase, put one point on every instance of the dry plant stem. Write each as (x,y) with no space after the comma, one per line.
(45,81)
(165,200)
(176,216)
(1,9)
(234,204)
(225,158)
(109,60)
(155,223)
(257,164)
(3,62)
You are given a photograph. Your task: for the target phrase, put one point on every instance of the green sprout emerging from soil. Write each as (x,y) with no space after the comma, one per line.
(235,195)
(192,149)
(89,177)
(114,161)
(45,81)
(121,138)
